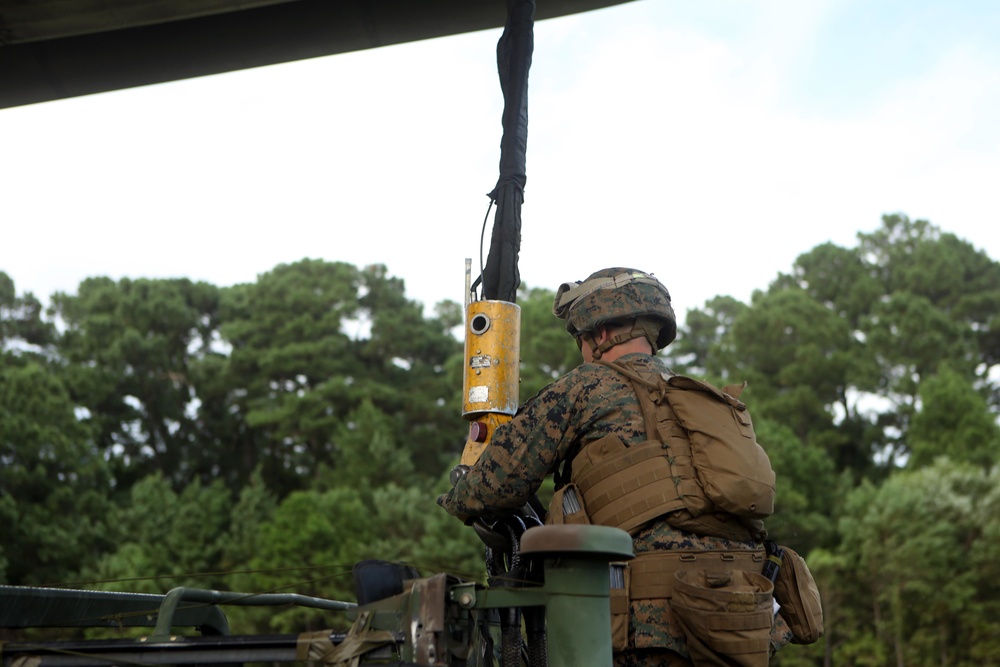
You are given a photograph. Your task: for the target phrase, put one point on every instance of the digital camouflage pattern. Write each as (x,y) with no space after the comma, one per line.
(616,294)
(650,658)
(586,404)
(651,622)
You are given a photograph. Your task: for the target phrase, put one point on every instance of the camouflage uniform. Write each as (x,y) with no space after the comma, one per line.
(586,404)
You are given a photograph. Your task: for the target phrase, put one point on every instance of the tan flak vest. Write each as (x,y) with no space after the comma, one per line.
(700,466)
(701,469)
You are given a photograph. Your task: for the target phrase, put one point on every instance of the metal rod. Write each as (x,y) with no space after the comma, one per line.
(165,617)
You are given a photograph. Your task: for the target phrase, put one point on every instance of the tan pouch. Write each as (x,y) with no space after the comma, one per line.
(726,616)
(733,469)
(567,506)
(797,593)
(620,606)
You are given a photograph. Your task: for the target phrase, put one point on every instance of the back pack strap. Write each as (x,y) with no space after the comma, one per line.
(644,389)
(652,574)
(662,427)
(700,466)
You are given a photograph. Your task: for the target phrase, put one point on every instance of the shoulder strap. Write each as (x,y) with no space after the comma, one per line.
(564,472)
(644,389)
(628,372)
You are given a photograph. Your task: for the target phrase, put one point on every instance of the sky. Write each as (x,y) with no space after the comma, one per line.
(710,143)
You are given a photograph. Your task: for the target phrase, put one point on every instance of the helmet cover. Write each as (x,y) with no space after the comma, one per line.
(615,295)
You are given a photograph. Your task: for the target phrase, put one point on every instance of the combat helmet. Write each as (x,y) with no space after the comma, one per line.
(617,295)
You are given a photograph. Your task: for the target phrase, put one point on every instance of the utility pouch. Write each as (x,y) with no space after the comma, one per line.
(726,616)
(620,606)
(797,593)
(567,506)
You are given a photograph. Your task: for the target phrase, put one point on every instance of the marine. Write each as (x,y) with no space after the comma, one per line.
(595,415)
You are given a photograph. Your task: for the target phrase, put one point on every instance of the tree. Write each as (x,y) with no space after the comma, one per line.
(309,547)
(702,346)
(911,547)
(310,342)
(838,348)
(806,488)
(408,525)
(128,348)
(801,363)
(164,539)
(367,506)
(940,273)
(21,323)
(368,455)
(53,482)
(547,351)
(910,339)
(953,420)
(274,398)
(409,353)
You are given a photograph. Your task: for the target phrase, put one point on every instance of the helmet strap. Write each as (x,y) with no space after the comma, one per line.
(642,327)
(595,349)
(647,327)
(598,349)
(610,343)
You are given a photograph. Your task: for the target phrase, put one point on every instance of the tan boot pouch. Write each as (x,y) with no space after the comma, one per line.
(726,617)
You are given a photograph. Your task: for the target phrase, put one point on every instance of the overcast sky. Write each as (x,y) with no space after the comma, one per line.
(710,143)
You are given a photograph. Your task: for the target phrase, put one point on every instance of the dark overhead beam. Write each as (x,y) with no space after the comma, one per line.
(45,70)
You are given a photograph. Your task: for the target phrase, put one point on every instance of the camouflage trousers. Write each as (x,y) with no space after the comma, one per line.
(655,657)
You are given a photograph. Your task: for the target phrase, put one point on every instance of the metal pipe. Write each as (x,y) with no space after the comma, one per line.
(164,619)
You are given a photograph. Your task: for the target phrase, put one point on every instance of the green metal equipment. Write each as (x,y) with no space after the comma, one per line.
(439,621)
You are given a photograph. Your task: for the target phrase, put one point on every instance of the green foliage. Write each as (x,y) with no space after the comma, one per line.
(839,349)
(370,505)
(547,351)
(128,347)
(53,484)
(308,547)
(267,436)
(413,529)
(21,317)
(795,354)
(401,510)
(254,506)
(310,342)
(954,419)
(368,455)
(806,488)
(314,538)
(166,539)
(702,346)
(913,543)
(908,335)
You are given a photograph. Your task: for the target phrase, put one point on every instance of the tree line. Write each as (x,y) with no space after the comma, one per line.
(266,436)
